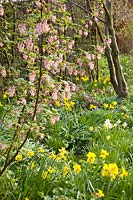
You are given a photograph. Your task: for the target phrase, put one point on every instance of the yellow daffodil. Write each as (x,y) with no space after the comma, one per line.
(57,103)
(104,154)
(100,194)
(30,153)
(32,165)
(18,157)
(53,155)
(44,174)
(77,168)
(110,170)
(105,105)
(114,103)
(91,128)
(51,170)
(91,157)
(26,198)
(65,170)
(84,78)
(124,173)
(41,150)
(92,106)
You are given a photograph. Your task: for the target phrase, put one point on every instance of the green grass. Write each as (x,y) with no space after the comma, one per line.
(79,131)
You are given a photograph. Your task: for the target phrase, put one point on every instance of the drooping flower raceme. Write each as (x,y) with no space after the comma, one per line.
(1,10)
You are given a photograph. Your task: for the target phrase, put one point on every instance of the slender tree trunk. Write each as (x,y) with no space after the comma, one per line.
(112,53)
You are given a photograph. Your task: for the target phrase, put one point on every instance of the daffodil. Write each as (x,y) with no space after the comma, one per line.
(40,150)
(104,154)
(18,157)
(92,106)
(44,174)
(57,103)
(84,78)
(91,128)
(77,168)
(91,157)
(100,194)
(65,170)
(30,153)
(124,173)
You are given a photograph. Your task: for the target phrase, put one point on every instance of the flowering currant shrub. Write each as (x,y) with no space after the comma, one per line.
(48,122)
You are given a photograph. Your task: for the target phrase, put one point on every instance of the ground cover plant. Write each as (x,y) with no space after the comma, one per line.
(65,133)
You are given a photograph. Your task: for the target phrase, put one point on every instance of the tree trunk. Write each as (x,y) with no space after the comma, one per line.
(112,53)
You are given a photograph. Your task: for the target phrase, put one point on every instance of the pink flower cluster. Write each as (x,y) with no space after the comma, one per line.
(29,43)
(32,76)
(22,29)
(3,72)
(54,119)
(60,93)
(42,27)
(1,10)
(11,91)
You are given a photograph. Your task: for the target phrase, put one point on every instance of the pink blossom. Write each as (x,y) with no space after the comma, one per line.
(63,8)
(55,95)
(71,44)
(1,10)
(70,70)
(93,56)
(42,27)
(63,67)
(22,28)
(73,87)
(38,4)
(53,1)
(3,72)
(100,49)
(88,56)
(2,146)
(67,88)
(11,91)
(39,109)
(1,44)
(68,95)
(99,56)
(31,60)
(85,33)
(91,65)
(33,92)
(90,23)
(80,32)
(25,56)
(32,76)
(21,47)
(46,64)
(109,41)
(69,18)
(79,62)
(54,119)
(29,43)
(53,18)
(95,19)
(23,101)
(51,39)
(75,72)
(96,14)
(86,26)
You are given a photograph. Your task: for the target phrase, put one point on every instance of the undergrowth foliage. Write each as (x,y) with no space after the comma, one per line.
(63,133)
